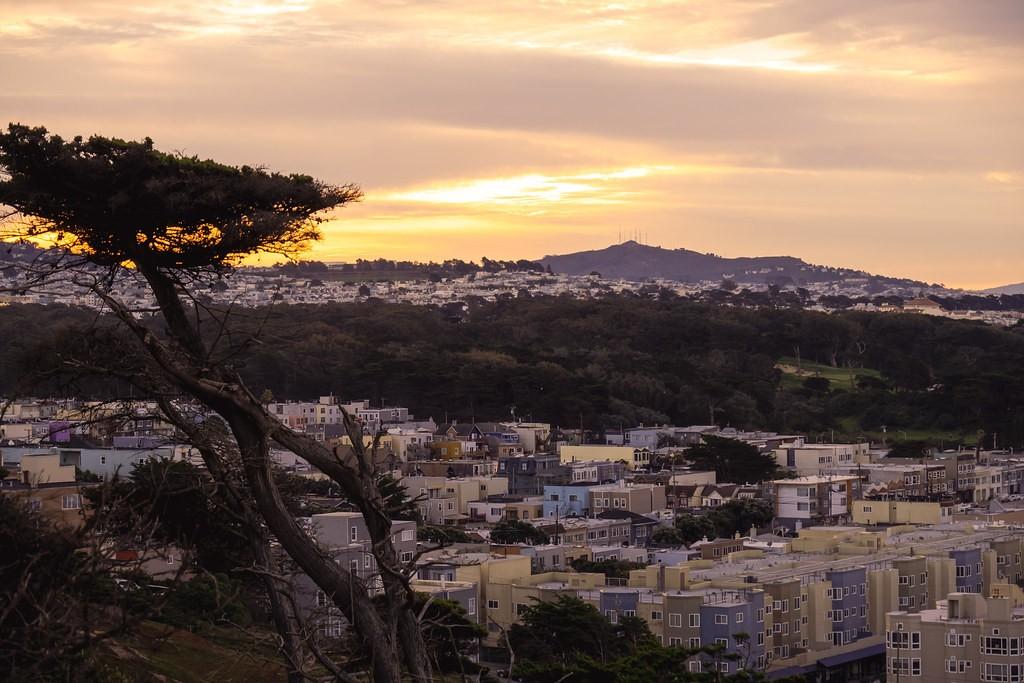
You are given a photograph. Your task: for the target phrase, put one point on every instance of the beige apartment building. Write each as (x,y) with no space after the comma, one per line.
(446,500)
(967,637)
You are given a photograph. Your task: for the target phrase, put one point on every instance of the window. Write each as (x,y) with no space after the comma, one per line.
(366,561)
(521,608)
(321,599)
(675,620)
(694,621)
(655,615)
(492,604)
(721,618)
(739,617)
(629,612)
(408,534)
(471,606)
(353,534)
(612,616)
(71,502)
(331,628)
(675,641)
(995,672)
(406,556)
(694,643)
(996,646)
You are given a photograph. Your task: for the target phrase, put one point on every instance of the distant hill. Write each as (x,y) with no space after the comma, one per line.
(1006,289)
(633,261)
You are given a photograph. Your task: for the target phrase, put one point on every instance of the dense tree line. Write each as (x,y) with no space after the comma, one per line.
(615,361)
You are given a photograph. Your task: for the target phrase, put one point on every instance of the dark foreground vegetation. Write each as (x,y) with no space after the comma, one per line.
(615,361)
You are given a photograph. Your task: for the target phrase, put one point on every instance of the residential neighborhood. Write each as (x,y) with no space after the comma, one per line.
(851,563)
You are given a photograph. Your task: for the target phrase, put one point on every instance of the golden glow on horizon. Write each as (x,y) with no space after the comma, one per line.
(534,191)
(870,134)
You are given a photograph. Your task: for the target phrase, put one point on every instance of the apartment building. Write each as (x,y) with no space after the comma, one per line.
(812,459)
(446,500)
(567,500)
(967,637)
(49,488)
(1007,553)
(807,501)
(345,537)
(849,611)
(912,582)
(734,619)
(785,602)
(969,576)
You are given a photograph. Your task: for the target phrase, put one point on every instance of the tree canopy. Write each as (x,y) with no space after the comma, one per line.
(732,460)
(117,201)
(516,531)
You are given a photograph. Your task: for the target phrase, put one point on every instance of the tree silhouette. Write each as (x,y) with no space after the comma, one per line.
(116,209)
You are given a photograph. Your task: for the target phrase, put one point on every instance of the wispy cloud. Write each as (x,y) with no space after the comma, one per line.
(817,127)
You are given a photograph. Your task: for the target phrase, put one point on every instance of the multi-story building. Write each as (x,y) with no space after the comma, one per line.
(733,619)
(808,501)
(967,637)
(345,537)
(529,474)
(969,577)
(819,458)
(641,527)
(443,500)
(567,500)
(849,604)
(1008,560)
(912,579)
(638,498)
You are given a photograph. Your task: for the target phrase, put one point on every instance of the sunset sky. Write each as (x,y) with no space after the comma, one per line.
(886,135)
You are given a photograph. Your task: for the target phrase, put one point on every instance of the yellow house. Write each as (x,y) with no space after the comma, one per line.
(446,450)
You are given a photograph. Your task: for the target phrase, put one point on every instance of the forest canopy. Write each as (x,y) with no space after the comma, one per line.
(617,361)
